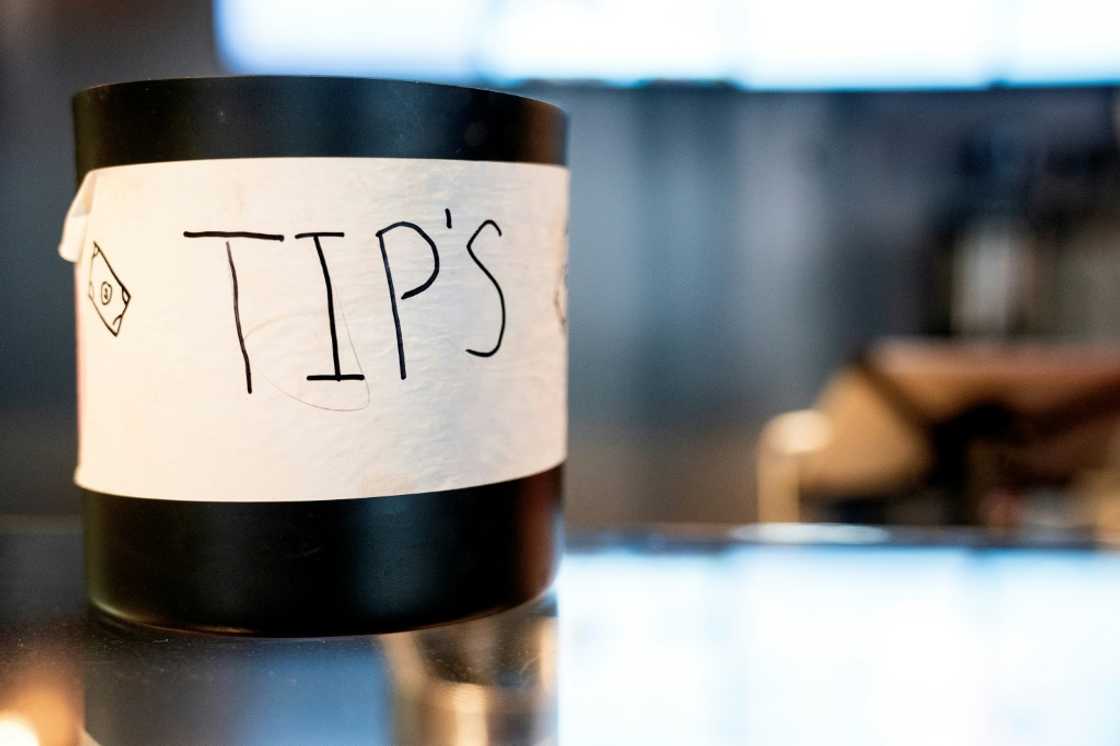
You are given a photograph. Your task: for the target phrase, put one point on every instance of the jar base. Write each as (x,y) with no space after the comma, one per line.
(327,567)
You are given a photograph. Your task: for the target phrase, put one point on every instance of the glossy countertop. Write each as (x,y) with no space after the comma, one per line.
(771,635)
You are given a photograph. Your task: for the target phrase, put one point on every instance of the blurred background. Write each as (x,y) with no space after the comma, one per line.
(829,261)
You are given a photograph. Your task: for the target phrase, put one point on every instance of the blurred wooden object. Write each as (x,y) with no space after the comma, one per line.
(980,423)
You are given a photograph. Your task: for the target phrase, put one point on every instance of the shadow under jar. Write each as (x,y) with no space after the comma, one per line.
(322,351)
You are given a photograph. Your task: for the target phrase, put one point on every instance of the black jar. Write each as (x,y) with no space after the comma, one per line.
(322,351)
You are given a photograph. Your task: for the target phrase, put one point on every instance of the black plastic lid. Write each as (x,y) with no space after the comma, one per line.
(258,117)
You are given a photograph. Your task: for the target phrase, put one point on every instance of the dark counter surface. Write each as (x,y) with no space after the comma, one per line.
(785,635)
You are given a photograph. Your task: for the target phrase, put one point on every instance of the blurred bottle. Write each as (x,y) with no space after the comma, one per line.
(1033,240)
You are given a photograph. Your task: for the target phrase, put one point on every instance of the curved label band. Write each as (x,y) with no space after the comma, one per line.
(272,329)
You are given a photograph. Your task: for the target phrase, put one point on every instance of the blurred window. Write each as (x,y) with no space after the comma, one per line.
(754,43)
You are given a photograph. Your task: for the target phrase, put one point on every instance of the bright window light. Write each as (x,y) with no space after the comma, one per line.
(866,43)
(1059,41)
(813,644)
(431,39)
(766,44)
(621,41)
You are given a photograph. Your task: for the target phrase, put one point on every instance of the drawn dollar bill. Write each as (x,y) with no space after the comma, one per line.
(106,292)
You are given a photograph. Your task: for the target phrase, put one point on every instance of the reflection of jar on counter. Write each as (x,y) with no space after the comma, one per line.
(145,687)
(492,680)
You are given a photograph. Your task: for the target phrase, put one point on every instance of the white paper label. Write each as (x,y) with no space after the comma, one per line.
(268,329)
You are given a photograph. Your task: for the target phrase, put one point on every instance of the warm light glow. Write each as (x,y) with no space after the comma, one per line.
(796,433)
(16,730)
(467,710)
